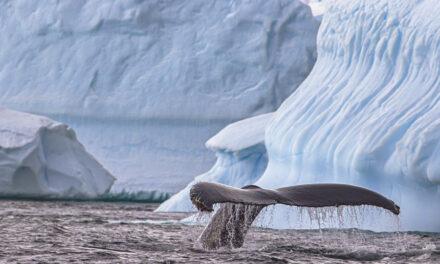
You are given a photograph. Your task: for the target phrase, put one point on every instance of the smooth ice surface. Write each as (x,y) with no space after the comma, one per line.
(42,158)
(241,159)
(367,115)
(146,83)
(318,7)
(240,135)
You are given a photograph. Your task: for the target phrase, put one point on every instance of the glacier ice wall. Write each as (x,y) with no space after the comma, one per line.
(368,114)
(241,160)
(42,158)
(145,83)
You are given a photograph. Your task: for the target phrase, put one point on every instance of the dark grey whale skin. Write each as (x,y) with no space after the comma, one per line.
(240,207)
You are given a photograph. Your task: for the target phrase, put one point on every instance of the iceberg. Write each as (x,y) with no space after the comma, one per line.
(41,158)
(146,83)
(368,113)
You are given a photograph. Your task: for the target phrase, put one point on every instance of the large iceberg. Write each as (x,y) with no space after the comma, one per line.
(145,83)
(42,158)
(368,114)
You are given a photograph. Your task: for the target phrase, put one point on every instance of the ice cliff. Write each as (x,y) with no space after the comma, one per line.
(368,113)
(42,158)
(145,83)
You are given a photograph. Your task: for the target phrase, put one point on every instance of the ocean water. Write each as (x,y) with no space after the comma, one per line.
(112,232)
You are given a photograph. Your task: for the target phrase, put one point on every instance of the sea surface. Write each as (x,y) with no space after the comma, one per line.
(111,232)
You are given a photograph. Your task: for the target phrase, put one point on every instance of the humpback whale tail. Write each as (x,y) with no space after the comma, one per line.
(240,207)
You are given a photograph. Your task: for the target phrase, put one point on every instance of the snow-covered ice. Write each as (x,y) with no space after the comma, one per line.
(146,83)
(318,7)
(42,158)
(368,113)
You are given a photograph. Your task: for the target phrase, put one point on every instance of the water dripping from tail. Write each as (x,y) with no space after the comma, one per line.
(240,207)
(229,225)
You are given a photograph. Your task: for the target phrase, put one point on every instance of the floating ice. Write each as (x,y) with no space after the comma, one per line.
(146,83)
(42,158)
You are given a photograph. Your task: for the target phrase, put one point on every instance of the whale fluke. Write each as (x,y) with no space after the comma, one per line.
(205,194)
(240,207)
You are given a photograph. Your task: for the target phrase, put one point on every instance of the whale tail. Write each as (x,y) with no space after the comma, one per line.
(240,207)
